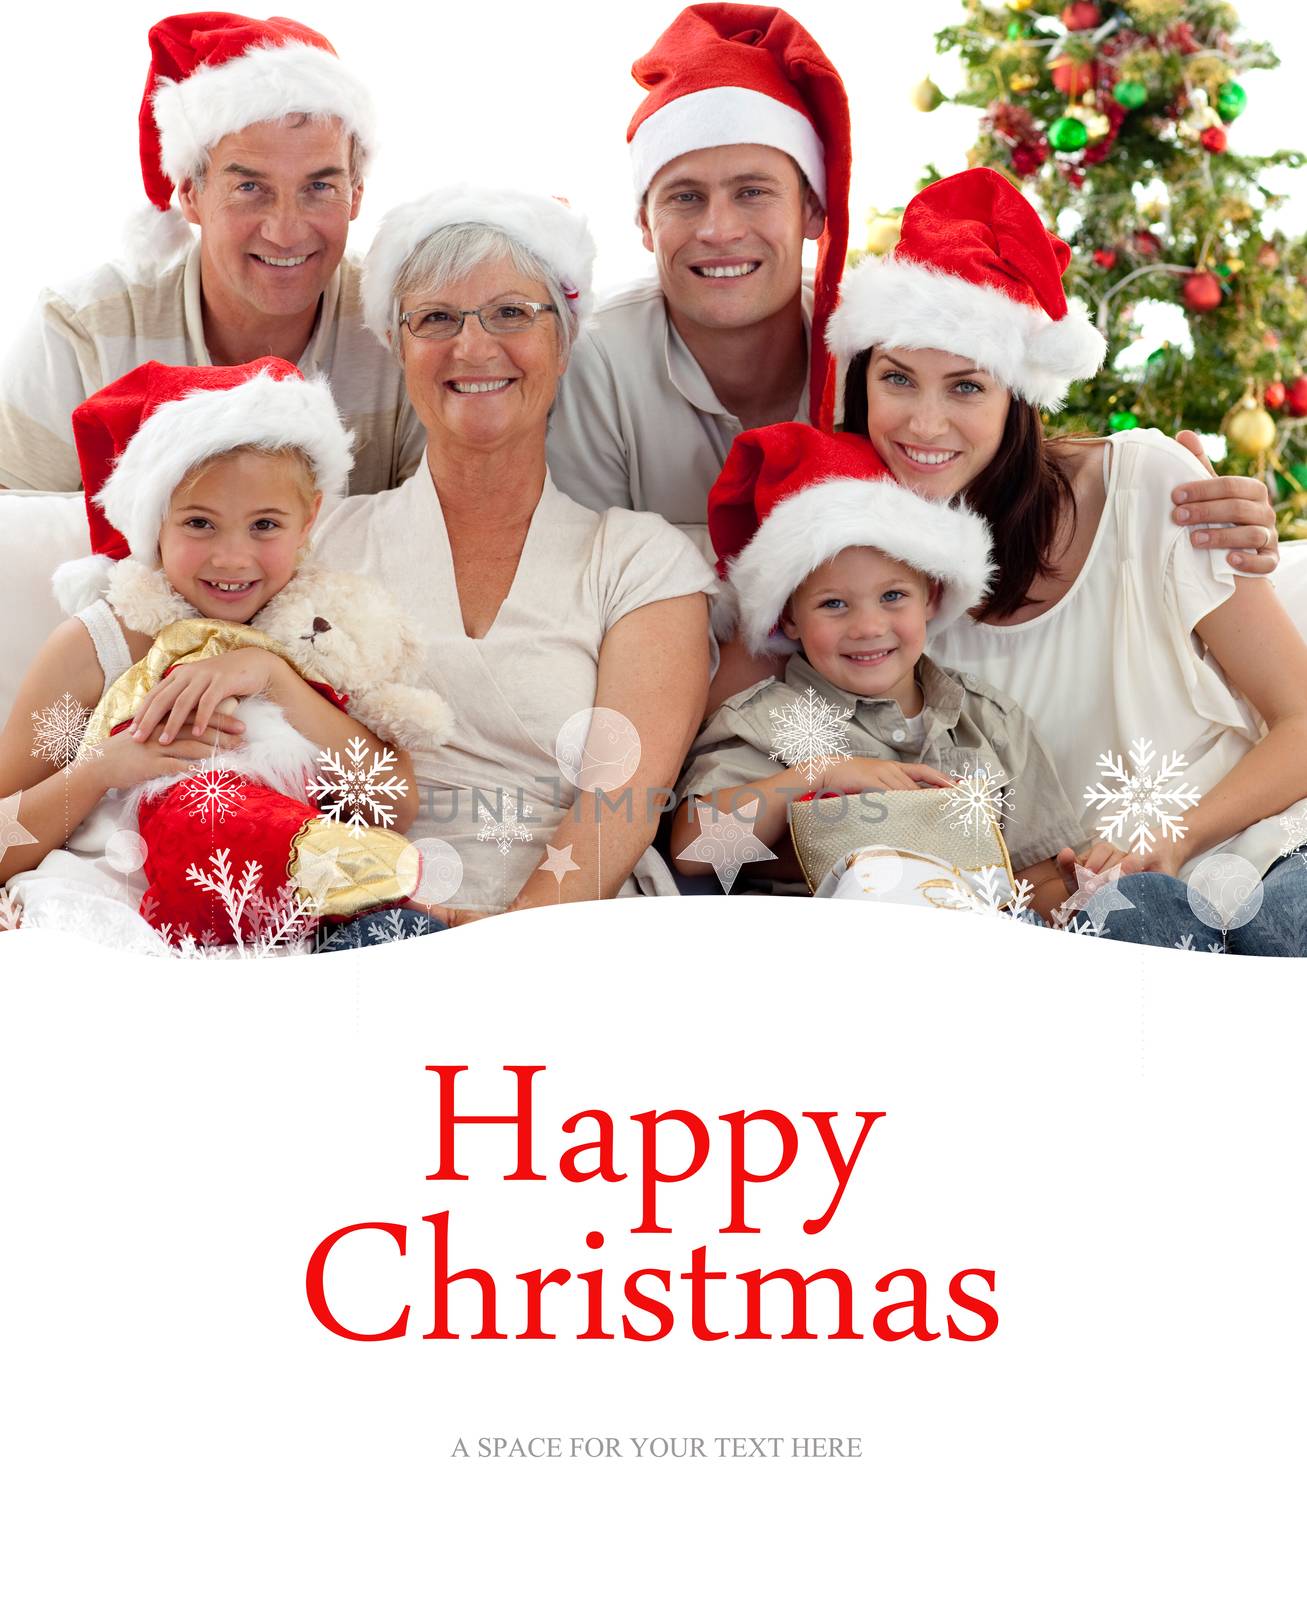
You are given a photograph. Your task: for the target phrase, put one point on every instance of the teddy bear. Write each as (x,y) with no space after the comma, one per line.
(306,829)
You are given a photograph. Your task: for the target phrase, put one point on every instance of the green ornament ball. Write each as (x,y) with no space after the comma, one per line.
(1068,134)
(1223,271)
(1130,93)
(1016,29)
(1231,98)
(1293,480)
(1159,355)
(1122,421)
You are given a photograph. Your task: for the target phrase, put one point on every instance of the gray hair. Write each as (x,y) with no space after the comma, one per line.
(453,251)
(356,160)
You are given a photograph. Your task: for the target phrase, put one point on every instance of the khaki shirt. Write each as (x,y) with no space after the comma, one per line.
(965,723)
(637,423)
(85,336)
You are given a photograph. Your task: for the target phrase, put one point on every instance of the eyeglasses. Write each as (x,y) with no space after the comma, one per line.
(505,316)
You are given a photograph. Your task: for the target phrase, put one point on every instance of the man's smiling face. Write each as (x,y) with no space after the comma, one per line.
(274,210)
(726,227)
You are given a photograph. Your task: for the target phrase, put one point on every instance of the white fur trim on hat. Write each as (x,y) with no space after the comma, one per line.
(80,583)
(265,84)
(151,239)
(946,541)
(726,115)
(175,438)
(548,228)
(908,305)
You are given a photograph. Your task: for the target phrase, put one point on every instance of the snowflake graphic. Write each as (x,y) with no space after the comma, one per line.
(392,928)
(11,914)
(358,789)
(97,918)
(57,732)
(1146,800)
(260,924)
(810,734)
(1294,824)
(978,801)
(1186,941)
(213,792)
(989,893)
(503,830)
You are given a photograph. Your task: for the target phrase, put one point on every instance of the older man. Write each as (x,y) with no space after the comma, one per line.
(741,152)
(262,137)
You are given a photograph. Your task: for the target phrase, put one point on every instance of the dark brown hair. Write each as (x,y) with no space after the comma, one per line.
(1023,494)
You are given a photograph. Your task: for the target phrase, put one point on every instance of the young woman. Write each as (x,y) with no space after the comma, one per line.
(1149,667)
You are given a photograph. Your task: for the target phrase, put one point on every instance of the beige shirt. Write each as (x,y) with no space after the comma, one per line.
(637,423)
(1116,665)
(495,791)
(965,725)
(86,335)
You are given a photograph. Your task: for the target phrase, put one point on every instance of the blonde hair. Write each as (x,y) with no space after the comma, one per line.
(290,454)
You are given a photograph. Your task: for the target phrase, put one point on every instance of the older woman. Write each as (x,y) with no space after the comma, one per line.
(536,609)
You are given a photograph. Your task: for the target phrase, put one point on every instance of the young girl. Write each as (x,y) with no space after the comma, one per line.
(202,486)
(1127,646)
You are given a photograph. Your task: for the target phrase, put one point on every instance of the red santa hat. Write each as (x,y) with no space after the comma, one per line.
(544,225)
(976,273)
(213,73)
(791,496)
(139,437)
(743,74)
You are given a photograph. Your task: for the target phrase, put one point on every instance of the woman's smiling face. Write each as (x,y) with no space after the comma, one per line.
(480,390)
(935,419)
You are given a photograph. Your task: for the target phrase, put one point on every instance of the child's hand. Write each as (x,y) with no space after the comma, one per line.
(197,688)
(866,772)
(125,761)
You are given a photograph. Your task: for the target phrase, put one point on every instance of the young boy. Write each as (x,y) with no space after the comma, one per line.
(818,541)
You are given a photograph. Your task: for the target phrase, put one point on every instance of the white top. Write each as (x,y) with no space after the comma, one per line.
(78,889)
(83,336)
(637,423)
(511,691)
(1116,659)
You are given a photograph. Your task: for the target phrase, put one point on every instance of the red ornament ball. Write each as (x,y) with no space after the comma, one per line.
(1298,397)
(1072,78)
(1079,15)
(1214,139)
(1275,395)
(1146,243)
(1106,259)
(1202,291)
(1028,158)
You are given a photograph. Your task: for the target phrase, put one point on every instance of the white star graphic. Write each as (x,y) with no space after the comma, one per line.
(1097,894)
(559,862)
(726,841)
(11,830)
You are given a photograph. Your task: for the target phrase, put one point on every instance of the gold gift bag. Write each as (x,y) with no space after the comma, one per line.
(830,829)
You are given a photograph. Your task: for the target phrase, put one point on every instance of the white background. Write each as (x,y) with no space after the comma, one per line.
(520,92)
(1115,1131)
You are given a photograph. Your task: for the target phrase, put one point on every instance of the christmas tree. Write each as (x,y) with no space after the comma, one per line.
(1119,121)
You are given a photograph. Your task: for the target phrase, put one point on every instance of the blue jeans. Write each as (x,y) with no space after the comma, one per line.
(376,927)
(1161,914)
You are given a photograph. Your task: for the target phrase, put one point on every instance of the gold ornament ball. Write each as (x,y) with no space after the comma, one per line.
(1251,430)
(1023,82)
(883,234)
(1019,5)
(1097,126)
(927,95)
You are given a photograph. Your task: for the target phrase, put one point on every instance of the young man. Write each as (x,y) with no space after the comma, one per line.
(741,152)
(262,137)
